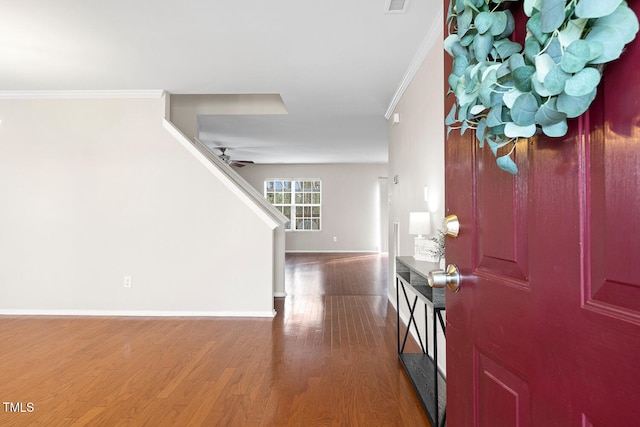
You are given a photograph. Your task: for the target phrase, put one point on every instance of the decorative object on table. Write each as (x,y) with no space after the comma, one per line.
(420,224)
(436,250)
(506,92)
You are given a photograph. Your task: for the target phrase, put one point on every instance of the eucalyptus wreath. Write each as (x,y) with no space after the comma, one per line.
(507,92)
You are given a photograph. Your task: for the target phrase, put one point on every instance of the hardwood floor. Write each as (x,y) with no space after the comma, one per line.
(327,359)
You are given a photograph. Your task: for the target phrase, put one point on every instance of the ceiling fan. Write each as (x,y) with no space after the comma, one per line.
(237,163)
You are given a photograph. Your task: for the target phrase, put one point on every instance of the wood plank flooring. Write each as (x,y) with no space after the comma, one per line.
(327,359)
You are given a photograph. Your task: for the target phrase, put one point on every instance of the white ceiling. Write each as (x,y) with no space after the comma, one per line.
(336,64)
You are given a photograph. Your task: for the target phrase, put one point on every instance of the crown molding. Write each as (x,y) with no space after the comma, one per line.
(424,48)
(81,94)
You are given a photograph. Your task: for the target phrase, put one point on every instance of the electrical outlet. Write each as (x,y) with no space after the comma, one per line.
(335,239)
(127,281)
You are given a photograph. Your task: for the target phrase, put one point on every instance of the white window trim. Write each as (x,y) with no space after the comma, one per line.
(293,205)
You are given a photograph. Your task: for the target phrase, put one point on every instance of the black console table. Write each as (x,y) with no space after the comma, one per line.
(422,369)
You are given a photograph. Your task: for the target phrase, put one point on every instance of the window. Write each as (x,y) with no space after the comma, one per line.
(297,199)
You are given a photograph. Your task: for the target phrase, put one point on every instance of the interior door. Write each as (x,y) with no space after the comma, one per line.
(545,329)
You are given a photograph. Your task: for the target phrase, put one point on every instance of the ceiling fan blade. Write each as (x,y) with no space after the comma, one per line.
(241,163)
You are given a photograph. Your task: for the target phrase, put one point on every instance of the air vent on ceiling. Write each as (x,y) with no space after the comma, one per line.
(396,6)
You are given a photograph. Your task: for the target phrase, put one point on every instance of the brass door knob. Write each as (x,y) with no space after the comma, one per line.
(451,226)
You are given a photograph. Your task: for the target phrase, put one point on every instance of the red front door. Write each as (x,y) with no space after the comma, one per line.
(545,330)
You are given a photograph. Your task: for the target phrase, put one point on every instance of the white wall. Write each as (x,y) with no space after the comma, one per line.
(93,190)
(416,156)
(350,204)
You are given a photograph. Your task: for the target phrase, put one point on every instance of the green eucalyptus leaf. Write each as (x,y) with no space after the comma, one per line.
(510,26)
(544,63)
(496,131)
(449,42)
(506,48)
(613,32)
(467,39)
(460,64)
(490,72)
(477,109)
(482,45)
(486,87)
(498,23)
(516,60)
(531,49)
(513,130)
(494,118)
(576,56)
(462,113)
(624,20)
(540,89)
(522,77)
(596,48)
(554,49)
(464,22)
(529,5)
(510,97)
(548,115)
(507,164)
(534,26)
(574,106)
(555,80)
(552,15)
(497,144)
(596,8)
(572,31)
(504,70)
(556,130)
(481,128)
(611,41)
(583,82)
(451,117)
(458,50)
(524,110)
(453,81)
(464,127)
(496,97)
(483,22)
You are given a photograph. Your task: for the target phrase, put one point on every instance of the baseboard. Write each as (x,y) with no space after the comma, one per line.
(136,313)
(353,251)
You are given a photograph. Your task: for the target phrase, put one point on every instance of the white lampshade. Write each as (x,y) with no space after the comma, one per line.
(419,223)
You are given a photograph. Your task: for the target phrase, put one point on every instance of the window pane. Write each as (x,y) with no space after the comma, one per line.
(297,185)
(269,186)
(315,224)
(307,198)
(286,211)
(315,212)
(287,186)
(287,198)
(316,186)
(307,186)
(278,198)
(315,198)
(299,198)
(270,197)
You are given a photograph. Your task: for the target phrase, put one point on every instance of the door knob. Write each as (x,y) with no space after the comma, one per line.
(449,278)
(451,226)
